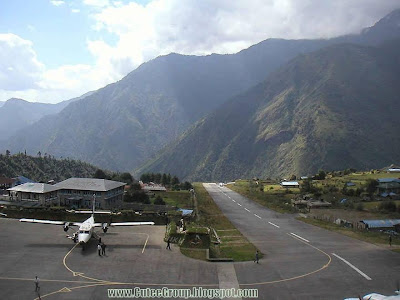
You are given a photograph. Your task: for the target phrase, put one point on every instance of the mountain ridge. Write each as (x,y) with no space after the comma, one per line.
(300,120)
(125,123)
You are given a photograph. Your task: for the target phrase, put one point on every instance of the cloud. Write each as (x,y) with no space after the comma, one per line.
(19,67)
(209,26)
(144,31)
(97,3)
(75,10)
(57,2)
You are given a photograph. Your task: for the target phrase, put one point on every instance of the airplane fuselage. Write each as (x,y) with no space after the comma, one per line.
(86,230)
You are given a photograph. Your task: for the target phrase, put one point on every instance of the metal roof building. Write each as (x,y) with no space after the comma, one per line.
(78,192)
(89,184)
(42,193)
(381,223)
(31,187)
(290,184)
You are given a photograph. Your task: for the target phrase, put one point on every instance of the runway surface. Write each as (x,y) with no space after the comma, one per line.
(301,261)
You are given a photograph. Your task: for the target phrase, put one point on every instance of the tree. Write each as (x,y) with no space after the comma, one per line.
(100,174)
(174,180)
(388,206)
(321,175)
(157,178)
(159,200)
(164,179)
(186,185)
(8,153)
(307,186)
(370,186)
(126,177)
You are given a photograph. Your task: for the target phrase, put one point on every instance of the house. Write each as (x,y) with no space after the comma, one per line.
(79,192)
(152,187)
(42,193)
(21,180)
(290,184)
(388,186)
(381,224)
(6,183)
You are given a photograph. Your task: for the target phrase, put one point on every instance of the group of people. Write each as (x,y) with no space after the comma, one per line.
(101,248)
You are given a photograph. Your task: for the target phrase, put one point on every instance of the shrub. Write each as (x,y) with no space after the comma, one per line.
(388,206)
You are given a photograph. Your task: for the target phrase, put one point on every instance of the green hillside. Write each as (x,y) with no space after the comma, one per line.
(43,168)
(332,109)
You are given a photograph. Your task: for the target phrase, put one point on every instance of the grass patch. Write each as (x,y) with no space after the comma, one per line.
(373,237)
(181,199)
(233,244)
(272,196)
(196,254)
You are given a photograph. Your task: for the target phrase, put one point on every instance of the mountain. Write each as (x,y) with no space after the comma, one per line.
(124,124)
(331,109)
(44,168)
(16,114)
(2,103)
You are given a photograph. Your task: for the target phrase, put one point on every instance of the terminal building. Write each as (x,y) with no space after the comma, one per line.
(73,192)
(79,192)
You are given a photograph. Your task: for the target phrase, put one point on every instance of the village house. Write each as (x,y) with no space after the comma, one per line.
(44,194)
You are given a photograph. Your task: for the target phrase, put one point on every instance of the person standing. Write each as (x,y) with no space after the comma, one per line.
(37,287)
(257,256)
(168,245)
(390,240)
(103,249)
(99,249)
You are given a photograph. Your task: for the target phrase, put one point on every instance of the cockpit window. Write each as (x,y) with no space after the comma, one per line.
(87,232)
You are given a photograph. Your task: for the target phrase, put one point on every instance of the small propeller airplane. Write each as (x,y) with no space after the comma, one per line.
(376,296)
(86,228)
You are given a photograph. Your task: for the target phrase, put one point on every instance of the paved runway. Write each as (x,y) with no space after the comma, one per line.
(303,261)
(299,262)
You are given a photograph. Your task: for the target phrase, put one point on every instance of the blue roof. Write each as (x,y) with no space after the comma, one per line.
(381,223)
(387,180)
(186,212)
(22,180)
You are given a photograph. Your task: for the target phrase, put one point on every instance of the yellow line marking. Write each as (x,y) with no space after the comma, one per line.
(77,273)
(105,283)
(299,276)
(45,280)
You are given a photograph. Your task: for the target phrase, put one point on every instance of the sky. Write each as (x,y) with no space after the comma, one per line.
(55,50)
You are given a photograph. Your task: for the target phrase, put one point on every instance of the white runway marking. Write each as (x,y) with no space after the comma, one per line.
(299,237)
(239,204)
(246,209)
(257,216)
(144,247)
(274,225)
(354,267)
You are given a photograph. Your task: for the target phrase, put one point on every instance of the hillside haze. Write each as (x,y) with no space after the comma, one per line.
(332,109)
(124,124)
(17,114)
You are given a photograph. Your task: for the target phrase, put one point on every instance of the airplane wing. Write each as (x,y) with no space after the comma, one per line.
(50,222)
(132,223)
(90,212)
(125,224)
